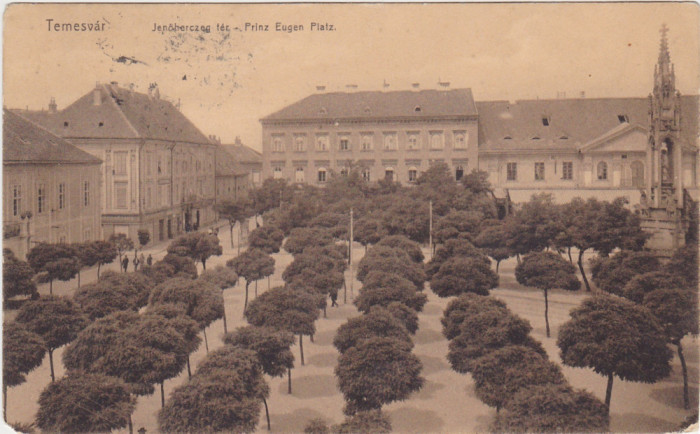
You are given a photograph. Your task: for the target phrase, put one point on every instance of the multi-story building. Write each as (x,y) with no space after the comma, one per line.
(51,189)
(392,135)
(247,158)
(232,179)
(158,172)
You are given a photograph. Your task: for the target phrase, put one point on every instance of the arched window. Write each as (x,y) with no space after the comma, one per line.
(412,174)
(459,172)
(299,174)
(276,173)
(366,174)
(602,171)
(322,175)
(389,173)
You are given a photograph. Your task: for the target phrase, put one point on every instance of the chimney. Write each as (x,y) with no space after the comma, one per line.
(583,94)
(97,95)
(351,86)
(415,85)
(320,88)
(52,105)
(444,84)
(238,141)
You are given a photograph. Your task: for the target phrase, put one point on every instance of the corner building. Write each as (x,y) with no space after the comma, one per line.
(395,135)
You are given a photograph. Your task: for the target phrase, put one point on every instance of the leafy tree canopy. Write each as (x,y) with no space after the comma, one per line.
(252,265)
(451,248)
(381,288)
(271,346)
(221,277)
(642,284)
(547,270)
(463,307)
(456,223)
(379,322)
(401,242)
(22,352)
(407,316)
(56,319)
(612,273)
(267,238)
(54,261)
(463,274)
(180,265)
(243,364)
(676,310)
(390,260)
(368,230)
(301,238)
(284,309)
(200,300)
(364,422)
(17,276)
(199,246)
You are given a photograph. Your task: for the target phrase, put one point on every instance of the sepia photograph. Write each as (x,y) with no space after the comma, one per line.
(350,217)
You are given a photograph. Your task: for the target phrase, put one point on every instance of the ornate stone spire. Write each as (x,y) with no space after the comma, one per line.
(664,56)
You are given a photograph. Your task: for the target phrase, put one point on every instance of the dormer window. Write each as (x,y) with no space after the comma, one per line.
(101,124)
(507,138)
(417,109)
(65,124)
(545,121)
(564,137)
(323,111)
(622,118)
(367,110)
(536,138)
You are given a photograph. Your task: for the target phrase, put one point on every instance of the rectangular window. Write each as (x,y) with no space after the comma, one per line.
(460,139)
(367,140)
(322,175)
(278,143)
(567,170)
(322,143)
(512,171)
(389,141)
(366,174)
(412,141)
(436,140)
(87,235)
(277,172)
(412,175)
(120,193)
(86,193)
(120,163)
(539,171)
(61,195)
(344,143)
(299,143)
(16,200)
(41,198)
(299,174)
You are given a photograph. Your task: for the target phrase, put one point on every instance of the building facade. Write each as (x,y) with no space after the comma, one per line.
(232,179)
(247,158)
(158,172)
(395,135)
(51,189)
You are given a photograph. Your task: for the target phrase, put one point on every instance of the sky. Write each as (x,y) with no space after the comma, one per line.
(226,80)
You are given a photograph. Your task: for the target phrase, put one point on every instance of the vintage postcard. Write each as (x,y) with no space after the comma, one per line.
(442,148)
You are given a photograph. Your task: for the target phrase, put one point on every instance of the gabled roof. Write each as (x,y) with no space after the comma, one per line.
(621,130)
(26,142)
(109,111)
(377,104)
(572,122)
(243,154)
(226,164)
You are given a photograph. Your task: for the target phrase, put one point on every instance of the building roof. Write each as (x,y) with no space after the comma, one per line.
(226,164)
(109,111)
(243,154)
(26,142)
(571,122)
(376,104)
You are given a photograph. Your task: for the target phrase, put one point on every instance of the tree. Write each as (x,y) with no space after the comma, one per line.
(285,309)
(677,312)
(451,248)
(400,242)
(407,316)
(183,324)
(201,301)
(105,253)
(684,263)
(364,422)
(239,363)
(612,273)
(493,240)
(552,408)
(534,226)
(135,286)
(463,307)
(144,237)
(546,270)
(615,337)
(86,256)
(456,223)
(271,194)
(485,332)
(385,363)
(100,299)
(502,373)
(642,284)
(379,322)
(122,243)
(53,261)
(336,223)
(390,260)
(300,238)
(180,265)
(464,274)
(22,352)
(198,246)
(368,230)
(56,319)
(222,278)
(233,211)
(381,288)
(267,238)
(17,277)
(477,181)
(252,265)
(82,402)
(315,273)
(407,216)
(272,348)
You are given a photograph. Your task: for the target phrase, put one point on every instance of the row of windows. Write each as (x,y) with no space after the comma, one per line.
(322,173)
(567,171)
(41,204)
(389,141)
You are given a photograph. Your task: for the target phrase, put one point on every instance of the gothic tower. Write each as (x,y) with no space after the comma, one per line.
(662,203)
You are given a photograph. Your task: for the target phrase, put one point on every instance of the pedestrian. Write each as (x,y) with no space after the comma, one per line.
(136,262)
(149,261)
(334,298)
(125,263)
(142,260)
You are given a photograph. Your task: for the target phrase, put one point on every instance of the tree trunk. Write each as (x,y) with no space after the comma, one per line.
(517,256)
(256,289)
(345,290)
(568,251)
(267,414)
(131,425)
(204,264)
(546,311)
(51,287)
(231,231)
(53,377)
(498,263)
(301,348)
(289,380)
(268,283)
(4,401)
(583,273)
(324,312)
(240,233)
(311,338)
(78,279)
(162,395)
(189,370)
(99,264)
(608,392)
(225,326)
(245,303)
(686,398)
(206,342)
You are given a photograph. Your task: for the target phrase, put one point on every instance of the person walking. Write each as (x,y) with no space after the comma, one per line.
(125,263)
(142,260)
(149,261)
(334,298)
(136,262)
